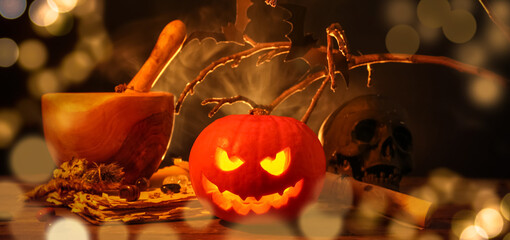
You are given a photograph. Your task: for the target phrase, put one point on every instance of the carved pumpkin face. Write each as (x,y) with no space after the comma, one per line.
(249,168)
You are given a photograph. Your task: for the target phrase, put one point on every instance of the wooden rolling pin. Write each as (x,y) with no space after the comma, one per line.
(396,205)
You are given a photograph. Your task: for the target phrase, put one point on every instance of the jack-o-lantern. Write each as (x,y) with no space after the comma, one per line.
(252,168)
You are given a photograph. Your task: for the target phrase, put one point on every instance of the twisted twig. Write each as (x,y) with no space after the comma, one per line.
(229,100)
(315,99)
(331,62)
(329,71)
(499,24)
(359,61)
(271,3)
(234,59)
(309,78)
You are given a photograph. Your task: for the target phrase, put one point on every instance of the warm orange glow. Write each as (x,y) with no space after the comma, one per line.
(227,200)
(279,164)
(226,163)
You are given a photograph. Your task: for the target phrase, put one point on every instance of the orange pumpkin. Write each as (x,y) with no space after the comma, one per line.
(251,168)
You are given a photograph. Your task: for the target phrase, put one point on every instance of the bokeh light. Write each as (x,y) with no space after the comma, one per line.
(41,14)
(67,228)
(400,12)
(402,39)
(10,123)
(62,26)
(495,40)
(245,231)
(99,45)
(315,222)
(443,181)
(196,222)
(491,221)
(433,13)
(486,197)
(398,231)
(430,236)
(90,26)
(45,81)
(429,35)
(85,7)
(32,54)
(504,207)
(462,220)
(485,93)
(76,67)
(9,52)
(471,53)
(427,193)
(30,160)
(466,191)
(62,6)
(468,5)
(460,26)
(157,231)
(473,233)
(501,9)
(113,231)
(10,202)
(12,9)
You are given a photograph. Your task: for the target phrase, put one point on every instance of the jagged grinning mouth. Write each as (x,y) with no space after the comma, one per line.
(227,200)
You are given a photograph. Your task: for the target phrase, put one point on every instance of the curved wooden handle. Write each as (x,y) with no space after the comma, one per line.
(168,45)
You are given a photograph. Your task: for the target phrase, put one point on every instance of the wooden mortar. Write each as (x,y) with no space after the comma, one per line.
(131,129)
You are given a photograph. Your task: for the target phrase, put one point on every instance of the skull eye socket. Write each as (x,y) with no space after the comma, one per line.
(226,163)
(403,137)
(364,130)
(279,164)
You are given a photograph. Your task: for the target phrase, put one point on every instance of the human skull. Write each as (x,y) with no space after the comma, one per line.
(368,139)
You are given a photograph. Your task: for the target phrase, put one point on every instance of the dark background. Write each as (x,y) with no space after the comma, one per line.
(449,130)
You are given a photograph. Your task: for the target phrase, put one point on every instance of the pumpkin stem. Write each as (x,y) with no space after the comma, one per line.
(259,111)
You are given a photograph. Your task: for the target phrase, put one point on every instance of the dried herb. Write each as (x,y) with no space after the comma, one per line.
(76,176)
(108,173)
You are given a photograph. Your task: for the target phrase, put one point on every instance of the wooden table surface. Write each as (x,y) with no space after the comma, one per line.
(464,197)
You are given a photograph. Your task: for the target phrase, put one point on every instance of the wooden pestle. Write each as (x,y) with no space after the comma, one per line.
(168,45)
(400,206)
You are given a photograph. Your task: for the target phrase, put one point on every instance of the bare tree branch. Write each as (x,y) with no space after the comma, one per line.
(359,61)
(300,86)
(271,3)
(234,59)
(502,27)
(229,100)
(315,99)
(331,62)
(334,31)
(369,78)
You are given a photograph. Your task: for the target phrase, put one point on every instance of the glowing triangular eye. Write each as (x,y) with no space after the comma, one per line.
(226,163)
(279,164)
